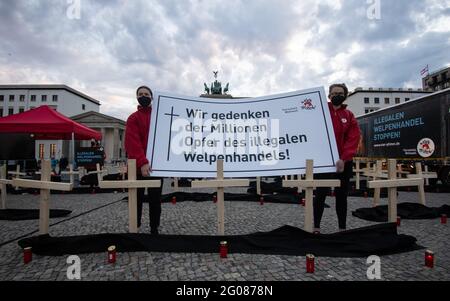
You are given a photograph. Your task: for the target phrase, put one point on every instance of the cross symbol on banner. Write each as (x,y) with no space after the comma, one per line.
(170,131)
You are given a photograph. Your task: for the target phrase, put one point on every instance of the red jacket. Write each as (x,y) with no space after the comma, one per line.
(346,130)
(136,136)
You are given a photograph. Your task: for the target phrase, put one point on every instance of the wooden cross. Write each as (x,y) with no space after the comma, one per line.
(378,172)
(3,182)
(375,174)
(392,183)
(428,175)
(45,185)
(378,169)
(81,171)
(367,170)
(99,173)
(358,171)
(309,184)
(176,188)
(122,168)
(123,172)
(258,185)
(292,178)
(71,173)
(220,183)
(132,184)
(299,188)
(421,175)
(400,171)
(16,174)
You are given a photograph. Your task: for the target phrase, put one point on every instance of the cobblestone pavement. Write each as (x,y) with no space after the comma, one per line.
(200,218)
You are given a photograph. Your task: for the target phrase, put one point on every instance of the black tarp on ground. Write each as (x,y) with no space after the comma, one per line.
(277,187)
(184,182)
(437,188)
(266,187)
(230,197)
(242,197)
(29,214)
(404,210)
(370,193)
(364,189)
(272,187)
(374,240)
(92,179)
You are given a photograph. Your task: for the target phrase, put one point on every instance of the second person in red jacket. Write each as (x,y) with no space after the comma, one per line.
(347,135)
(136,139)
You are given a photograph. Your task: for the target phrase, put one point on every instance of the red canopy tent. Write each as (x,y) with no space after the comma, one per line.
(47,124)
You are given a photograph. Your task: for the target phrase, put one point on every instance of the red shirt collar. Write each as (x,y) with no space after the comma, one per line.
(343,106)
(139,107)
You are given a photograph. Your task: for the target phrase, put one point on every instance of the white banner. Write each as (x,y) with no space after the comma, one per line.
(264,136)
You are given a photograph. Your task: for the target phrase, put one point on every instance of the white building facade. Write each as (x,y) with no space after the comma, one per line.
(362,101)
(437,80)
(16,99)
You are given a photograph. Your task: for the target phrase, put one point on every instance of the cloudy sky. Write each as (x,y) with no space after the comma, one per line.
(260,46)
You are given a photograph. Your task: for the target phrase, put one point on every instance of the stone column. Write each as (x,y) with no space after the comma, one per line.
(122,145)
(103,135)
(116,144)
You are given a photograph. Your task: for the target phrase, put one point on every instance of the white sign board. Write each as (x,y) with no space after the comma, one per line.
(264,136)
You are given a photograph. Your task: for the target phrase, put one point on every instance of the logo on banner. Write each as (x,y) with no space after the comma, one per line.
(426,147)
(307,104)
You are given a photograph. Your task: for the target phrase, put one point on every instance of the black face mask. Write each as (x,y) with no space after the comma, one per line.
(144,101)
(337,100)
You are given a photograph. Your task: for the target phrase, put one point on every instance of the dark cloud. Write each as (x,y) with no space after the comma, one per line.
(351,22)
(402,64)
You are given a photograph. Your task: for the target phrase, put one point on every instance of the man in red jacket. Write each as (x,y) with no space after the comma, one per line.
(136,139)
(347,135)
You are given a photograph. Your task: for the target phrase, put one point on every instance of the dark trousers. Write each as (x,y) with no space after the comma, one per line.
(153,197)
(341,196)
